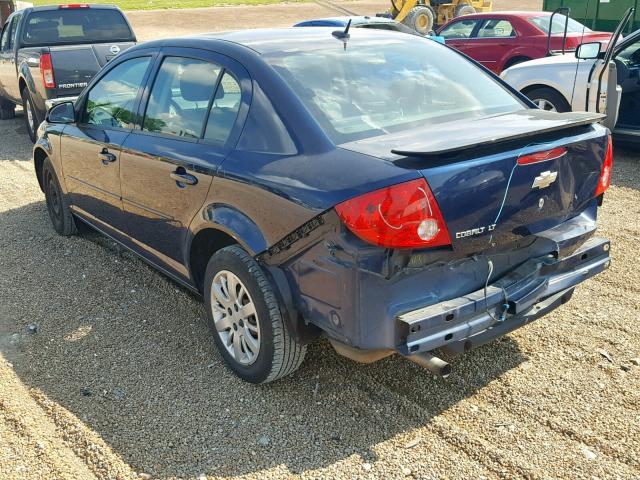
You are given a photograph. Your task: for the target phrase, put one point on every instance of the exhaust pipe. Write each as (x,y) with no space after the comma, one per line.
(434,364)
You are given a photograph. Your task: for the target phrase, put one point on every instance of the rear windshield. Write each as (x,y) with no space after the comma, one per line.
(81,25)
(389,84)
(558,24)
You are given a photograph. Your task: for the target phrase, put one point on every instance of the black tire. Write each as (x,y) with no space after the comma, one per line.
(515,61)
(57,202)
(421,19)
(7,109)
(30,115)
(464,9)
(279,354)
(547,97)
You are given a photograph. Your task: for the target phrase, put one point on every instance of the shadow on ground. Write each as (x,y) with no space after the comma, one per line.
(129,354)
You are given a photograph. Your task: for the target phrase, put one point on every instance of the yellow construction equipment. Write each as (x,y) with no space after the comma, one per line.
(423,15)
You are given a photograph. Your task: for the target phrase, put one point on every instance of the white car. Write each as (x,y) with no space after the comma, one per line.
(588,80)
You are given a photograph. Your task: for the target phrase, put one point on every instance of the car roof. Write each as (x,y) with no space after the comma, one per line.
(268,40)
(342,21)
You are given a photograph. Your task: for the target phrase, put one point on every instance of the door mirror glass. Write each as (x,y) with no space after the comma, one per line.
(588,51)
(62,113)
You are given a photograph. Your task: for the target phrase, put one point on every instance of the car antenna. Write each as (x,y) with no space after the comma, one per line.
(343,35)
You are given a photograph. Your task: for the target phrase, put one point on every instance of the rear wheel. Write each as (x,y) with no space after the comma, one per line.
(7,109)
(57,203)
(549,100)
(30,117)
(464,9)
(245,319)
(421,19)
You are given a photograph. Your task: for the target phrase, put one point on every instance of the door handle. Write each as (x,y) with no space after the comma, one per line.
(106,158)
(183,178)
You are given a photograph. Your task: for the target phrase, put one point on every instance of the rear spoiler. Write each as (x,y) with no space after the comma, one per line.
(448,138)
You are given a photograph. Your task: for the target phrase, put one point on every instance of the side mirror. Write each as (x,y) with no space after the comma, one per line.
(588,51)
(62,113)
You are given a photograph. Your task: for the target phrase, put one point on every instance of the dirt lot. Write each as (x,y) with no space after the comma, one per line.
(122,378)
(150,25)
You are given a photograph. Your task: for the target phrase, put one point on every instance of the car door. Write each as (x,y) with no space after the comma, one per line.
(457,34)
(492,42)
(90,148)
(603,92)
(189,123)
(8,72)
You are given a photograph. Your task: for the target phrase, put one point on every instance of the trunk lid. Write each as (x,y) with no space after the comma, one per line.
(488,199)
(75,65)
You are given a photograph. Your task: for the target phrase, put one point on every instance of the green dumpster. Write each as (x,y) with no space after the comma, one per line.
(601,15)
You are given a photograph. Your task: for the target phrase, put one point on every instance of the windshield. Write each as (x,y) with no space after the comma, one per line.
(80,25)
(558,24)
(389,84)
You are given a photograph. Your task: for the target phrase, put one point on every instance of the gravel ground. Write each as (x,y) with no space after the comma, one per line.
(122,380)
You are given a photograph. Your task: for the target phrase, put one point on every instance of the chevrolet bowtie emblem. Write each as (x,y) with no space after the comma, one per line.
(544,179)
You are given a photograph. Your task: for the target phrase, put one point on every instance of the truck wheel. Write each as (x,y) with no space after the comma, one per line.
(421,19)
(30,117)
(464,9)
(57,202)
(245,319)
(548,99)
(7,109)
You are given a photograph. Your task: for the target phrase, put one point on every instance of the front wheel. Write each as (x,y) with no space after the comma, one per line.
(245,319)
(57,202)
(30,117)
(421,19)
(549,100)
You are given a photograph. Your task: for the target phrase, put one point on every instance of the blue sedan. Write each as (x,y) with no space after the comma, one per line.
(377,189)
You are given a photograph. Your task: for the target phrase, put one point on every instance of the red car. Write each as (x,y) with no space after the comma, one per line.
(499,40)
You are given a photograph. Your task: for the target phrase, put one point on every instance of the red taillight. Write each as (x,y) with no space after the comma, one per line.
(46,69)
(73,5)
(542,156)
(400,216)
(607,166)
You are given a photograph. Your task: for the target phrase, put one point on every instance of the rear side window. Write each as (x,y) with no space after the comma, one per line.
(559,21)
(9,34)
(496,29)
(180,97)
(224,110)
(461,29)
(111,100)
(76,25)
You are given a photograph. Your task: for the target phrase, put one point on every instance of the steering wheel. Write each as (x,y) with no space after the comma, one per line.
(176,107)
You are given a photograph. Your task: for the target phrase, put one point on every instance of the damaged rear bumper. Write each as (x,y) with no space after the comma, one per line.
(523,295)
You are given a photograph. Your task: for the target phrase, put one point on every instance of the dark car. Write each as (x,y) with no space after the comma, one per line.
(49,54)
(380,190)
(499,40)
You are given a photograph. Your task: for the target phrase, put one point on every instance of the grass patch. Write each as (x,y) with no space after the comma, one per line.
(163,4)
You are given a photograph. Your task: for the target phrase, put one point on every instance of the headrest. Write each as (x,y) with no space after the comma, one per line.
(197,82)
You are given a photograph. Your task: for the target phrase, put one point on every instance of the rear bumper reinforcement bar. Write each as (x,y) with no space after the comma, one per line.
(523,295)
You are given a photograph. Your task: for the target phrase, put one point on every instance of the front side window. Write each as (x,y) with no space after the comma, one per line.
(458,30)
(375,87)
(180,97)
(496,29)
(4,41)
(111,101)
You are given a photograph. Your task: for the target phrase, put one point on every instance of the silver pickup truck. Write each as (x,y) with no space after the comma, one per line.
(49,54)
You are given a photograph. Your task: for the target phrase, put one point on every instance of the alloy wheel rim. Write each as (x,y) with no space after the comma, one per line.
(235,317)
(543,104)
